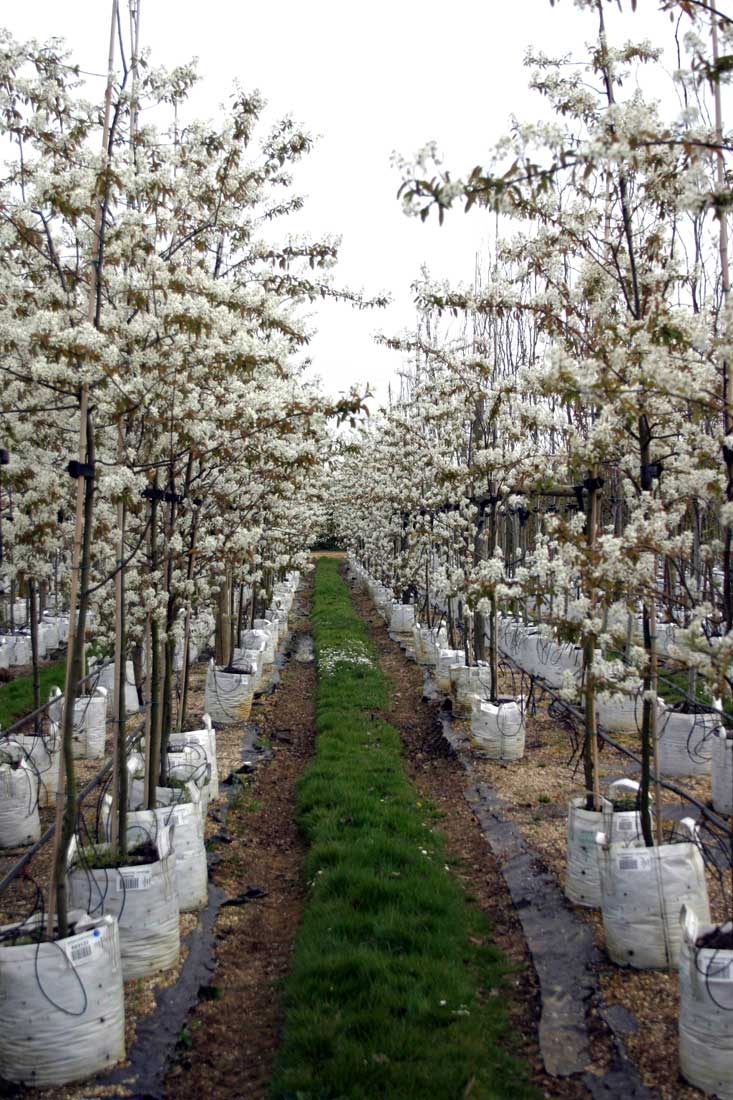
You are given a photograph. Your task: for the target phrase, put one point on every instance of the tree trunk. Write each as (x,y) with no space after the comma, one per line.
(33,623)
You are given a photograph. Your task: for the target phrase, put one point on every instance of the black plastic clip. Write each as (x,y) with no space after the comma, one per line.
(649,472)
(80,469)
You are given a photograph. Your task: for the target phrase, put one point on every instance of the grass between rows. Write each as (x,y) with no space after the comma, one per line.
(396,990)
(16,697)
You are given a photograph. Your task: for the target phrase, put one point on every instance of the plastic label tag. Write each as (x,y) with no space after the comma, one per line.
(83,948)
(634,863)
(625,824)
(139,880)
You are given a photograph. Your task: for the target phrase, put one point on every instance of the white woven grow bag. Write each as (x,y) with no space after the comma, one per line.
(253,648)
(706,1011)
(193,654)
(6,651)
(143,898)
(63,625)
(619,713)
(52,632)
(62,1012)
(106,679)
(19,820)
(402,618)
(20,654)
(20,612)
(499,730)
(685,742)
(468,681)
(265,626)
(446,659)
(41,641)
(722,772)
(205,739)
(188,838)
(281,616)
(189,765)
(90,725)
(44,754)
(583,877)
(272,618)
(228,695)
(642,891)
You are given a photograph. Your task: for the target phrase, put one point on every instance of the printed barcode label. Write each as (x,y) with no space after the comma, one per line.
(81,950)
(633,863)
(141,880)
(625,824)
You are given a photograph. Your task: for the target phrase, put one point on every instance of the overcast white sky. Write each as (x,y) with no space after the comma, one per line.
(369,79)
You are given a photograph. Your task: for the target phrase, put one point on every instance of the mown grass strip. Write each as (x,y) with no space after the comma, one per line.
(16,697)
(396,990)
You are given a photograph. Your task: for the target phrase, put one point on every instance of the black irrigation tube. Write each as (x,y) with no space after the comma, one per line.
(25,859)
(578,715)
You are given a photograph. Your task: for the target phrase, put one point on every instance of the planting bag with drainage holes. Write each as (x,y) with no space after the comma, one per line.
(62,1012)
(205,739)
(499,730)
(19,820)
(642,892)
(402,618)
(706,1009)
(583,878)
(188,836)
(90,725)
(446,659)
(722,772)
(44,755)
(685,742)
(106,678)
(143,898)
(469,681)
(265,626)
(619,713)
(228,695)
(190,765)
(20,653)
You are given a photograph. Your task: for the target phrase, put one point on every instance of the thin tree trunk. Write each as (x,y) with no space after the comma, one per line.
(187,629)
(154,664)
(33,622)
(590,743)
(74,673)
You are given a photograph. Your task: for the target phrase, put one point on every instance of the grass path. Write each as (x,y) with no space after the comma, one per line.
(16,697)
(394,992)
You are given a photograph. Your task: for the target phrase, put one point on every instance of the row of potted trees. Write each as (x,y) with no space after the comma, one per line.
(125,894)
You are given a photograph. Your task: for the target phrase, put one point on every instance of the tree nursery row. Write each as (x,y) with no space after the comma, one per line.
(159,488)
(553,487)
